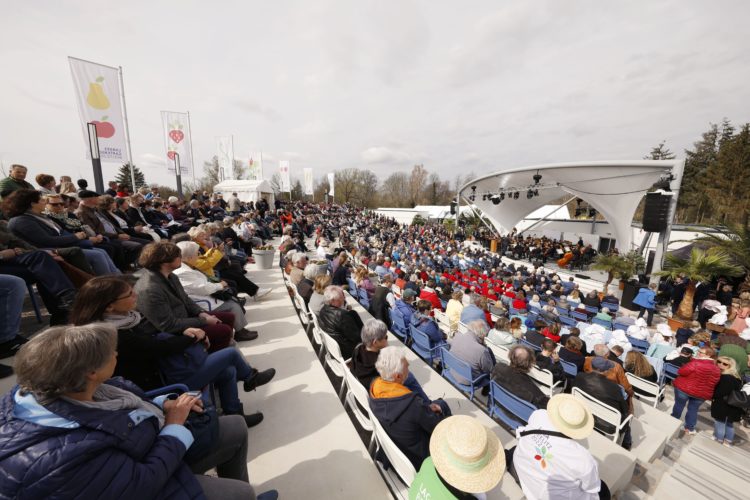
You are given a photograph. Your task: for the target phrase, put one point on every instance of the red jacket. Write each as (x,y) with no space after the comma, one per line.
(698,378)
(432,298)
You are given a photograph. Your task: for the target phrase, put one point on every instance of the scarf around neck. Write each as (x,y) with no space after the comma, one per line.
(125,321)
(111,398)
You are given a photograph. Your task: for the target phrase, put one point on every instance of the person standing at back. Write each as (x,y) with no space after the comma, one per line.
(695,383)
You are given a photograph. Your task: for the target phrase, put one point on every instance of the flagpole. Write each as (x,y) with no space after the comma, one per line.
(127,130)
(192,156)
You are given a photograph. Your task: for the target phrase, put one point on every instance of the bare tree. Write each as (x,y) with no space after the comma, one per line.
(394,189)
(417,181)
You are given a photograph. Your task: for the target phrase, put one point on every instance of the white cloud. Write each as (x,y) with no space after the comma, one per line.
(383,154)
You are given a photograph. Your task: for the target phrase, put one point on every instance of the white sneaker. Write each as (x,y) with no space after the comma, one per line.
(262,292)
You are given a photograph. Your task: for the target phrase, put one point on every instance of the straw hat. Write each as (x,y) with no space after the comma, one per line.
(570,416)
(467,455)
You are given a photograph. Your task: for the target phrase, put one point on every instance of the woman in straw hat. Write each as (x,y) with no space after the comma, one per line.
(548,463)
(466,460)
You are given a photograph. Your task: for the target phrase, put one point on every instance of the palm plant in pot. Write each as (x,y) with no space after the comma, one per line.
(735,241)
(633,265)
(613,264)
(702,265)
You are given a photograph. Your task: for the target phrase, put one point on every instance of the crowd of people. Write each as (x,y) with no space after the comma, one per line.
(408,275)
(142,293)
(154,292)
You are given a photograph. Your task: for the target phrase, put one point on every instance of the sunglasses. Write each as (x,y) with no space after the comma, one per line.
(722,363)
(55,204)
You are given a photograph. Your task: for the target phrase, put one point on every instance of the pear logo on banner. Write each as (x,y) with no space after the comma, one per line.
(256,166)
(284,179)
(308,181)
(177,140)
(99,102)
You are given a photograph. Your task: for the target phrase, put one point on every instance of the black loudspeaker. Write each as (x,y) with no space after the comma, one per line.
(656,212)
(628,294)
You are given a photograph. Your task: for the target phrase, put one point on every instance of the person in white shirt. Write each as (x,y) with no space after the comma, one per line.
(548,462)
(201,290)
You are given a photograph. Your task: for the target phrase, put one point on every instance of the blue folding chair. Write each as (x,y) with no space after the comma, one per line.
(591,309)
(603,322)
(579,316)
(510,409)
(573,304)
(620,326)
(167,389)
(423,346)
(638,344)
(352,288)
(444,303)
(562,311)
(568,321)
(571,370)
(613,308)
(364,300)
(451,365)
(670,372)
(208,303)
(398,325)
(534,309)
(531,346)
(34,303)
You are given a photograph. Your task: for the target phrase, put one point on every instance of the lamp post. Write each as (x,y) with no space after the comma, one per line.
(178,174)
(96,161)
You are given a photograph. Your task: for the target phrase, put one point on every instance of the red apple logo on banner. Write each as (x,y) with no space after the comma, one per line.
(176,135)
(104,129)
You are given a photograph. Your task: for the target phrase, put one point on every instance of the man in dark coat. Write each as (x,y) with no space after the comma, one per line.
(342,324)
(381,302)
(406,417)
(598,386)
(515,378)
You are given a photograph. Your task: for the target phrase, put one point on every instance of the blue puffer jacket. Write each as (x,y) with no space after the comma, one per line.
(107,456)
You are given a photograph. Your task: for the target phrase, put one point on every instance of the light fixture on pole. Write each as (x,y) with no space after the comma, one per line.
(96,161)
(178,174)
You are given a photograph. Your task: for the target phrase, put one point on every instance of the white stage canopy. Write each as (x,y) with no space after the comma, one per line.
(246,190)
(613,188)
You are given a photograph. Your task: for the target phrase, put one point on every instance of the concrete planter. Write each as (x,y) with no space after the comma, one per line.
(264,258)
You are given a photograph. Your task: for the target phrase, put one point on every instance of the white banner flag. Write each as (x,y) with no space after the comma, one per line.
(309,190)
(177,140)
(285,182)
(99,102)
(225,154)
(256,166)
(331,182)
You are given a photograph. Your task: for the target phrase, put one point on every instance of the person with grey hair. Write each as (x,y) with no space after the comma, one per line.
(515,378)
(406,417)
(306,284)
(339,321)
(299,262)
(69,427)
(476,310)
(203,292)
(615,372)
(469,347)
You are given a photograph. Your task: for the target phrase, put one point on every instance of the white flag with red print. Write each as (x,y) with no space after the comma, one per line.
(308,181)
(177,140)
(285,183)
(99,102)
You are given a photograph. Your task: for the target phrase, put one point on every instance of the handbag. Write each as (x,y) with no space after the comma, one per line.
(179,367)
(739,399)
(205,430)
(75,275)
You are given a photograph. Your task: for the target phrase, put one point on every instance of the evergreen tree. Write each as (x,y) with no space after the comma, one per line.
(123,177)
(694,204)
(297,191)
(728,179)
(660,153)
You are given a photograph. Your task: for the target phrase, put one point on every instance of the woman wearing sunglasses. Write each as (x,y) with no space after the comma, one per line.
(724,414)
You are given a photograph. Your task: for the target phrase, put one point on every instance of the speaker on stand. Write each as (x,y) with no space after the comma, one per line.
(656,212)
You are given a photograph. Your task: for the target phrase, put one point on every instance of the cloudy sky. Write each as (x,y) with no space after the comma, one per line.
(458,86)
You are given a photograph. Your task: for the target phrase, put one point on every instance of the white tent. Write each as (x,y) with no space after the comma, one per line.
(246,190)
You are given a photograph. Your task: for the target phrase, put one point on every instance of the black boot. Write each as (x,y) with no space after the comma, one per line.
(256,379)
